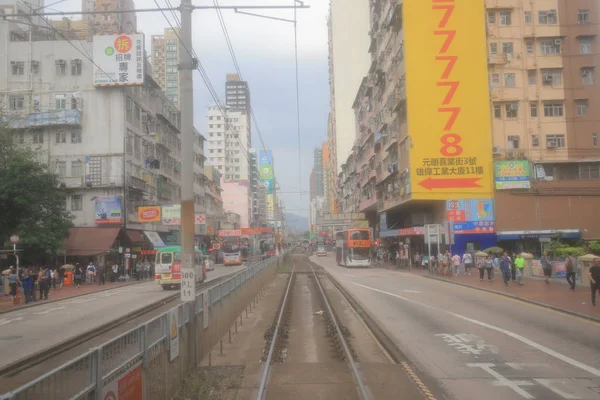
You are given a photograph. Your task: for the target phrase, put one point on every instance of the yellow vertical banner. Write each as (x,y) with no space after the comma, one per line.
(448,99)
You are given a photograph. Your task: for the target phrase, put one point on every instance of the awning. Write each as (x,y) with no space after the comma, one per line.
(536,234)
(90,241)
(135,236)
(155,239)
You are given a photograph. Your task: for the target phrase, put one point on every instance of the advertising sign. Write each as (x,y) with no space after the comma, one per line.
(149,214)
(474,227)
(230,233)
(265,168)
(173,334)
(265,157)
(108,210)
(270,206)
(451,156)
(171,214)
(266,171)
(268,183)
(126,383)
(463,210)
(512,174)
(119,60)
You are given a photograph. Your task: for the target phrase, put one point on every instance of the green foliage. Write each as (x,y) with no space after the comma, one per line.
(595,247)
(563,252)
(31,203)
(494,250)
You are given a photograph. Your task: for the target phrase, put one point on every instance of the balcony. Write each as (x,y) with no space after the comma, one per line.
(136,184)
(43,119)
(368,203)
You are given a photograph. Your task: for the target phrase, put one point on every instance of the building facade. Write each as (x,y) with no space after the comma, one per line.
(258,192)
(165,63)
(113,23)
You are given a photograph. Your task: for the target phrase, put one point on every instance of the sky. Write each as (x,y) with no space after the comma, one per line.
(265,53)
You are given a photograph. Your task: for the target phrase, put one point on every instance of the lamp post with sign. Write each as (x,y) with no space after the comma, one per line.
(15,239)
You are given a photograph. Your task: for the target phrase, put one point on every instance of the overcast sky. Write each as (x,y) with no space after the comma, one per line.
(265,53)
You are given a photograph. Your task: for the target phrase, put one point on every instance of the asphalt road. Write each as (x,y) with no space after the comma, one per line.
(472,344)
(31,330)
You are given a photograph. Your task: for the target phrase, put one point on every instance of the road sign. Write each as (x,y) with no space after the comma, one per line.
(14,239)
(433,233)
(188,279)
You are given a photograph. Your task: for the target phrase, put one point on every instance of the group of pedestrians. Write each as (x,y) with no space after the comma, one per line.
(35,281)
(91,274)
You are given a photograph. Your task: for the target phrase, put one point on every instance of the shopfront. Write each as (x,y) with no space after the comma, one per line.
(535,241)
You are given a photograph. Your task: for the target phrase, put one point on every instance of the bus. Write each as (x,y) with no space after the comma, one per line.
(232,250)
(353,247)
(167,266)
(321,247)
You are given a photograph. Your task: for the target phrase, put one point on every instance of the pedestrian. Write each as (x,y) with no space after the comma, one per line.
(45,281)
(115,272)
(594,273)
(456,263)
(571,267)
(28,285)
(90,273)
(505,268)
(486,265)
(35,274)
(546,267)
(100,273)
(13,282)
(520,265)
(78,275)
(53,277)
(467,259)
(61,277)
(513,268)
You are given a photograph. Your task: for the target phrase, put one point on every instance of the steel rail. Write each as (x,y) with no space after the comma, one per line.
(50,352)
(265,375)
(362,386)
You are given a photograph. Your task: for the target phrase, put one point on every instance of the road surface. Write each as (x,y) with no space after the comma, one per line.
(475,344)
(31,330)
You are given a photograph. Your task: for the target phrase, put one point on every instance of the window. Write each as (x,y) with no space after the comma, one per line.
(16,102)
(582,107)
(529,46)
(585,46)
(527,17)
(76,136)
(594,139)
(491,17)
(584,17)
(533,109)
(495,79)
(76,202)
(551,77)
(532,77)
(61,101)
(61,169)
(21,138)
(553,110)
(513,142)
(60,67)
(548,17)
(589,171)
(505,18)
(76,66)
(509,80)
(535,141)
(550,47)
(18,67)
(553,141)
(76,168)
(512,110)
(35,66)
(587,75)
(38,137)
(507,48)
(210,118)
(61,137)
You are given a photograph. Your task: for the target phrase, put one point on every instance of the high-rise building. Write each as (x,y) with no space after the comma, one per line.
(165,62)
(258,192)
(113,23)
(318,171)
(237,93)
(348,22)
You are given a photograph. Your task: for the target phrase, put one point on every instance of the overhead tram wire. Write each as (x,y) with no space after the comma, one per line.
(297,95)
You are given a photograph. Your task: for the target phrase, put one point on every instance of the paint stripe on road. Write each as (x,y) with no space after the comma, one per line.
(412,291)
(514,335)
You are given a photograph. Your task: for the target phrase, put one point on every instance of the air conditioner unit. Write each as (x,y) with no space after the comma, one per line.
(558,41)
(551,145)
(76,61)
(523,156)
(497,150)
(510,154)
(491,60)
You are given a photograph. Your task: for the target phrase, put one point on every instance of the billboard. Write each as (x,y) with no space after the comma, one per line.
(265,170)
(512,175)
(171,215)
(464,210)
(149,214)
(270,207)
(108,211)
(449,109)
(119,60)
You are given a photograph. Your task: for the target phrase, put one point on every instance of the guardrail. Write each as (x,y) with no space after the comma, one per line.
(151,360)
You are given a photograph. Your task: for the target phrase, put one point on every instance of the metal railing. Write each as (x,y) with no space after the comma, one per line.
(143,360)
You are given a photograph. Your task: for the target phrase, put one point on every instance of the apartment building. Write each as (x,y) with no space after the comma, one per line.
(165,62)
(259,193)
(112,23)
(213,199)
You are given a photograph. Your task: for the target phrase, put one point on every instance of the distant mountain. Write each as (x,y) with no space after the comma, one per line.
(296,222)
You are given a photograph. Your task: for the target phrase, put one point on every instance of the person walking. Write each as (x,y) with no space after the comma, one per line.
(53,277)
(45,282)
(90,272)
(594,273)
(486,265)
(78,275)
(61,277)
(467,259)
(546,267)
(100,273)
(505,264)
(28,285)
(520,265)
(571,267)
(513,267)
(115,273)
(13,282)
(456,264)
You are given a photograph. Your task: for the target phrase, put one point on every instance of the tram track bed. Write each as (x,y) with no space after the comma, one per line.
(303,356)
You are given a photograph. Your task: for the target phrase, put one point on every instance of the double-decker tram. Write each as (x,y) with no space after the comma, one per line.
(353,247)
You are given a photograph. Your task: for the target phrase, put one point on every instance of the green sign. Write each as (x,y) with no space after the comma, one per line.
(266,171)
(513,174)
(312,235)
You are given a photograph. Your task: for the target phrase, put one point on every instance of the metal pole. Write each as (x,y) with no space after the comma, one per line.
(17,300)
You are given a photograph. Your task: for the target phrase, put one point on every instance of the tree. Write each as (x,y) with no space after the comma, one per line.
(31,203)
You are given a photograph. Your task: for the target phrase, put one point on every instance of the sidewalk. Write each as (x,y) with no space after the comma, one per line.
(70,291)
(555,295)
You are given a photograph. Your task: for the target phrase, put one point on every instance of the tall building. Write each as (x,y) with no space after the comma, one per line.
(113,23)
(325,167)
(348,22)
(165,62)
(237,93)
(258,191)
(318,172)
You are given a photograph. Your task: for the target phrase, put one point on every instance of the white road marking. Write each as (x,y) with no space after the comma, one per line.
(502,381)
(5,321)
(516,336)
(548,384)
(49,310)
(412,291)
(521,366)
